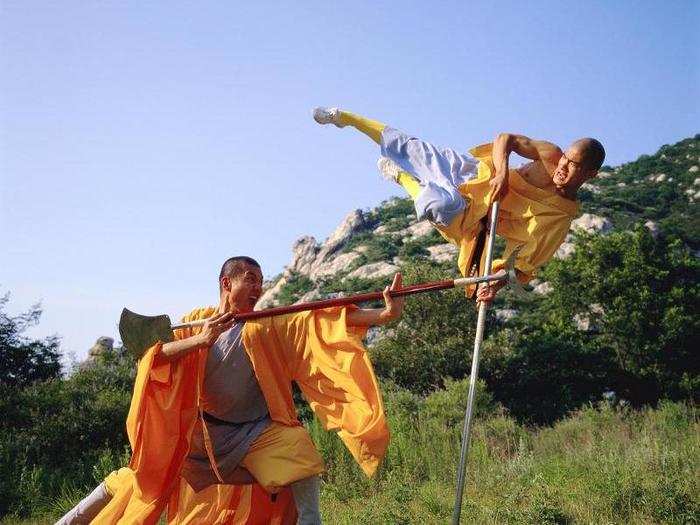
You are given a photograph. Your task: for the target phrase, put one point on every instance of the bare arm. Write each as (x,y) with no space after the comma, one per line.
(378,316)
(505,144)
(212,329)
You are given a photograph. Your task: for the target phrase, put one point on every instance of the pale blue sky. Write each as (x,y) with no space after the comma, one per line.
(143,143)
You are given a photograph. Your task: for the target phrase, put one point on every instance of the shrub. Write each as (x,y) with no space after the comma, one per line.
(297,285)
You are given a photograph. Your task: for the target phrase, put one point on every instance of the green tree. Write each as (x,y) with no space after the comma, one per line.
(54,430)
(622,318)
(60,429)
(434,338)
(639,297)
(23,360)
(542,373)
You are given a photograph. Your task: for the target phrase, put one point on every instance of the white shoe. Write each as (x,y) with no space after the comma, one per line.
(388,169)
(328,116)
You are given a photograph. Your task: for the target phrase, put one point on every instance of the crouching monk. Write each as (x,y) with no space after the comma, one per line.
(454,190)
(212,423)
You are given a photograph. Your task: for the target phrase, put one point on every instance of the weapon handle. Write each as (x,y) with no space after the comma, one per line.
(354,299)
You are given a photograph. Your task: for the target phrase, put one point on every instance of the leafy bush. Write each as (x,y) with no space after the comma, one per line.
(637,295)
(645,293)
(396,209)
(22,360)
(297,285)
(432,339)
(63,429)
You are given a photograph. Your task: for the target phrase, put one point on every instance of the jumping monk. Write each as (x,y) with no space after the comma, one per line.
(454,190)
(212,423)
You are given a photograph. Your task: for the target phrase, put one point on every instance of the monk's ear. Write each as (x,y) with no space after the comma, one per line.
(226,284)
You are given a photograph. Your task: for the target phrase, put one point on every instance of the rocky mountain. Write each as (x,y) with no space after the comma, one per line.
(660,191)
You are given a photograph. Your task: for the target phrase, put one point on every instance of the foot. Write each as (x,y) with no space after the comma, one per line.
(327,116)
(388,169)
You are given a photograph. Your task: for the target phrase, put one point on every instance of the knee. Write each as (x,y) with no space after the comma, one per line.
(438,204)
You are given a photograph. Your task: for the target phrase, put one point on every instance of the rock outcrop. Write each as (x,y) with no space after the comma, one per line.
(591,223)
(442,252)
(102,346)
(304,253)
(374,270)
(542,288)
(414,231)
(588,223)
(316,261)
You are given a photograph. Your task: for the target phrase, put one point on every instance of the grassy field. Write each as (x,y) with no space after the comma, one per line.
(601,465)
(598,466)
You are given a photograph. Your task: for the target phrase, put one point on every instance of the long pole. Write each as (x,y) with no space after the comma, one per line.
(481,321)
(359,298)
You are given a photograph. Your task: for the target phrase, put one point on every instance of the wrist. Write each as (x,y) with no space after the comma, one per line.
(386,316)
(200,340)
(498,285)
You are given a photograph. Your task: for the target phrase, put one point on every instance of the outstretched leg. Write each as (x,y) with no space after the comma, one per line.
(85,511)
(429,174)
(372,128)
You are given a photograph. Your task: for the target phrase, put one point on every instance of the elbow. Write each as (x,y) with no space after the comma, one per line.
(503,139)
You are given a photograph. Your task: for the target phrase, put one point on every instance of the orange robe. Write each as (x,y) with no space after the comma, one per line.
(316,349)
(530,218)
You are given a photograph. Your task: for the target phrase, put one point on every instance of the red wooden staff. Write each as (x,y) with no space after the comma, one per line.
(139,332)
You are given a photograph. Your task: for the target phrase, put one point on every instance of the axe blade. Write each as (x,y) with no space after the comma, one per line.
(512,280)
(140,332)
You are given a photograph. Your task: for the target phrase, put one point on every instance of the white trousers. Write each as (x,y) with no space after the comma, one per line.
(306,494)
(85,511)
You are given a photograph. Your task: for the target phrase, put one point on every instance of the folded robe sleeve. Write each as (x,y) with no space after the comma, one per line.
(159,424)
(317,349)
(325,356)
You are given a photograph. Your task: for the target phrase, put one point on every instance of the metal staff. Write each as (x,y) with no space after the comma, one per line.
(481,321)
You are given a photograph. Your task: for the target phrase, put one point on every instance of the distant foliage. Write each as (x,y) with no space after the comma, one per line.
(633,192)
(640,297)
(396,213)
(297,285)
(54,432)
(431,341)
(379,248)
(24,361)
(621,321)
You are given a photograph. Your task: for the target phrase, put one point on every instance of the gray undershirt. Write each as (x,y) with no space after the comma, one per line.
(233,396)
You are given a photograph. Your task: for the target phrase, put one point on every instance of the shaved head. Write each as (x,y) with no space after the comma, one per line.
(236,265)
(593,153)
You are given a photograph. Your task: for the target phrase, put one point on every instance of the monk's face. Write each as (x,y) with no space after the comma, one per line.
(571,171)
(243,289)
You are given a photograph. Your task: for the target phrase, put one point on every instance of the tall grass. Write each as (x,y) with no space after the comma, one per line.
(46,496)
(603,464)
